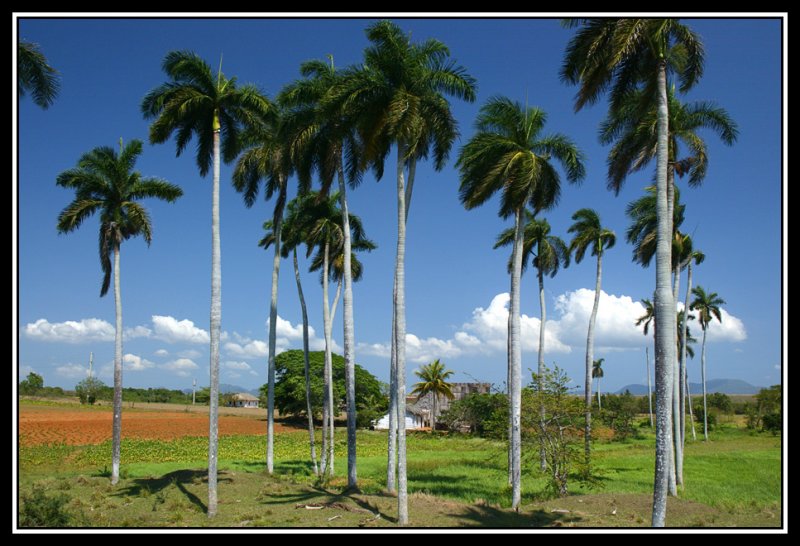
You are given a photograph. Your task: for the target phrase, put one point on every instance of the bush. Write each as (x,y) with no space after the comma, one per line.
(772,422)
(720,401)
(39,510)
(619,413)
(32,384)
(89,390)
(485,415)
(712,416)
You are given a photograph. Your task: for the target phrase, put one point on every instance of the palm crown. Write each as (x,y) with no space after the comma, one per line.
(548,252)
(434,379)
(589,233)
(642,232)
(35,75)
(707,305)
(104,182)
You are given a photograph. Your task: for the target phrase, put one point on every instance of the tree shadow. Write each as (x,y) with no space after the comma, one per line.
(178,478)
(332,499)
(489,516)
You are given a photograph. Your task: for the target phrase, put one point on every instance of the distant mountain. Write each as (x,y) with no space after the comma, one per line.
(727,386)
(225,388)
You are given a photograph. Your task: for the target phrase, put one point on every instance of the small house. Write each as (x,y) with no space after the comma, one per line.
(243,400)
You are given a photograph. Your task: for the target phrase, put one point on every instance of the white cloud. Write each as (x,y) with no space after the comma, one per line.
(730,329)
(232,368)
(161,352)
(288,336)
(137,331)
(172,330)
(72,371)
(247,348)
(190,353)
(134,363)
(180,366)
(83,331)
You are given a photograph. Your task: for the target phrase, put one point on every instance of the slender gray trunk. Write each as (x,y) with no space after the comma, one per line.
(542,306)
(649,390)
(587,433)
(349,338)
(116,427)
(273,327)
(515,363)
(664,315)
(599,403)
(676,394)
(216,322)
(327,327)
(400,338)
(684,365)
(306,364)
(703,371)
(391,463)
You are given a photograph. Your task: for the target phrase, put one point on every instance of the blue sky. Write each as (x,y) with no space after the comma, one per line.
(456,283)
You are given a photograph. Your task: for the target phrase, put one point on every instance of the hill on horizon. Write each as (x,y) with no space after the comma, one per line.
(726,386)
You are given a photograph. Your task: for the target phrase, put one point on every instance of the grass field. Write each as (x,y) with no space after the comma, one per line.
(455,481)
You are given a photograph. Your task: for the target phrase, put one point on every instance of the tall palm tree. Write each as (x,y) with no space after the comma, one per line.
(35,75)
(697,257)
(104,182)
(269,145)
(193,102)
(624,55)
(589,232)
(643,231)
(330,132)
(646,319)
(548,253)
(509,154)
(398,97)
(707,307)
(434,378)
(597,373)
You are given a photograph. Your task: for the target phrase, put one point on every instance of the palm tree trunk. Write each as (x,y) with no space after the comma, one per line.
(703,371)
(400,338)
(689,403)
(216,321)
(116,427)
(684,367)
(664,314)
(676,394)
(587,433)
(391,463)
(306,364)
(327,327)
(542,306)
(349,338)
(599,403)
(649,392)
(515,363)
(273,327)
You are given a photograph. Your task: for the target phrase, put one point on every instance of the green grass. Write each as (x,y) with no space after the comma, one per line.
(735,476)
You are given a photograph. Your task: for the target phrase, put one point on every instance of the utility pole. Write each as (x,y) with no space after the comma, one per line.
(91,357)
(194,386)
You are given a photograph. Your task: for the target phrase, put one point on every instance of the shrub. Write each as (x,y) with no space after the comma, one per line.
(720,401)
(772,422)
(619,413)
(39,510)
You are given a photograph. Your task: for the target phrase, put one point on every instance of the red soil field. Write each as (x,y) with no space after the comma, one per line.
(74,426)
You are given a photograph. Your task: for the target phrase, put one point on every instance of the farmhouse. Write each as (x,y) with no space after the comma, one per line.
(243,400)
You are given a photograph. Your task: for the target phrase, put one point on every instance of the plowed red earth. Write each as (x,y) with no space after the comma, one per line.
(47,425)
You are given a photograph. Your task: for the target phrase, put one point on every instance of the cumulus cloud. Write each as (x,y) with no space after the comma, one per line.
(171,330)
(72,371)
(288,336)
(730,329)
(134,363)
(82,331)
(161,352)
(247,348)
(190,353)
(232,368)
(180,366)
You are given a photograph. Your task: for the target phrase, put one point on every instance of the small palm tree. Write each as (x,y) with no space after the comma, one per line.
(597,373)
(193,102)
(434,380)
(590,233)
(104,182)
(35,75)
(646,319)
(707,306)
(510,155)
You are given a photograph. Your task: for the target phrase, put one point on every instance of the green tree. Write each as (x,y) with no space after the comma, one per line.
(434,378)
(193,102)
(485,415)
(707,306)
(626,54)
(510,155)
(589,232)
(105,182)
(646,319)
(35,75)
(89,391)
(398,97)
(31,384)
(597,373)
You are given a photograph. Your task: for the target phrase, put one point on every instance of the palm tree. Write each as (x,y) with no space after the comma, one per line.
(697,257)
(35,75)
(548,253)
(646,319)
(597,373)
(707,307)
(629,54)
(270,144)
(331,134)
(509,154)
(213,109)
(589,232)
(398,97)
(434,381)
(104,182)
(643,231)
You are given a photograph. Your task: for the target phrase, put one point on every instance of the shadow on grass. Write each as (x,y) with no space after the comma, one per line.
(488,516)
(178,478)
(335,499)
